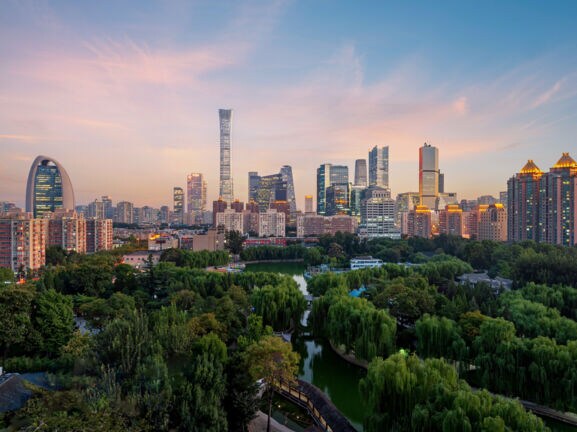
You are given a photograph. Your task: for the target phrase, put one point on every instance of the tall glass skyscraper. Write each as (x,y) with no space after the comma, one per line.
(195,193)
(361,172)
(327,176)
(226,187)
(379,167)
(428,175)
(48,188)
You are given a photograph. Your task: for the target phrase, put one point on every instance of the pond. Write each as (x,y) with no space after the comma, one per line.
(322,367)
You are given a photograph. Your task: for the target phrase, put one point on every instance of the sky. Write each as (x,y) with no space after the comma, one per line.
(125,94)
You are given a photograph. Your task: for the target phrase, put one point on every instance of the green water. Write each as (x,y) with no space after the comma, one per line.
(338,379)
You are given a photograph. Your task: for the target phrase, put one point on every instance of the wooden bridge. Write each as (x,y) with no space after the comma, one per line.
(318,405)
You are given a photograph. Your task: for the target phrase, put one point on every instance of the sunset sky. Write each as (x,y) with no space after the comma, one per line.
(125,94)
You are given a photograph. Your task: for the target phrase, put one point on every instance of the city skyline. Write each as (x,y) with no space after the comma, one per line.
(129,114)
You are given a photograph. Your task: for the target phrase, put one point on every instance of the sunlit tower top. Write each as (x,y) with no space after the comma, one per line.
(226,187)
(428,175)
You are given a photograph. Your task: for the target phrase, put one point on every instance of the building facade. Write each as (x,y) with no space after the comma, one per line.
(361,173)
(428,175)
(23,241)
(177,205)
(195,194)
(379,166)
(493,223)
(378,214)
(271,224)
(523,210)
(230,220)
(225,185)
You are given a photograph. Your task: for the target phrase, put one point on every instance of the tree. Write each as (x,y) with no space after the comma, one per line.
(15,324)
(54,320)
(273,360)
(6,276)
(234,241)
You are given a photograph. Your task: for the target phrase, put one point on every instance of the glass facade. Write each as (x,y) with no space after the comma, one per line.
(47,189)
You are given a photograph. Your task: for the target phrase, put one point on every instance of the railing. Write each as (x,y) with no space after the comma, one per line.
(319,407)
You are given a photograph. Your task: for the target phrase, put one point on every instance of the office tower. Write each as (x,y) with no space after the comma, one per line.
(22,241)
(404,203)
(523,207)
(355,197)
(441,182)
(95,210)
(125,212)
(287,176)
(48,188)
(67,229)
(230,220)
(218,206)
(308,203)
(328,175)
(487,200)
(378,214)
(557,206)
(237,206)
(108,208)
(195,193)
(428,175)
(492,222)
(337,199)
(379,167)
(226,187)
(252,206)
(178,205)
(451,220)
(271,224)
(253,185)
(99,235)
(419,222)
(283,207)
(504,198)
(361,172)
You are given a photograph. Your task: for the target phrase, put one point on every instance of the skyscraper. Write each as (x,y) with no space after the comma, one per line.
(253,185)
(195,193)
(48,188)
(523,207)
(328,175)
(428,175)
(379,167)
(226,187)
(287,175)
(178,205)
(361,172)
(378,213)
(308,203)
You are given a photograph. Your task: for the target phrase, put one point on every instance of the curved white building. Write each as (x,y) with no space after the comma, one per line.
(48,188)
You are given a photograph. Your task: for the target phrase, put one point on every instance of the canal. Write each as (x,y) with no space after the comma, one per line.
(320,366)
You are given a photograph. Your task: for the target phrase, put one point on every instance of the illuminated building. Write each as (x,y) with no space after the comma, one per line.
(404,203)
(419,223)
(523,208)
(253,185)
(237,206)
(379,167)
(48,188)
(361,173)
(23,241)
(451,220)
(428,175)
(337,198)
(378,214)
(266,190)
(309,204)
(327,176)
(225,185)
(287,176)
(492,222)
(252,207)
(282,206)
(177,205)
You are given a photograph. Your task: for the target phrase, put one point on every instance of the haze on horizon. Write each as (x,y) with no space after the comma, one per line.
(126,98)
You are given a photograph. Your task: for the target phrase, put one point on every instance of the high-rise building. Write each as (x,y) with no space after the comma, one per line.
(271,224)
(504,198)
(23,241)
(108,208)
(523,209)
(379,167)
(361,172)
(378,214)
(95,210)
(337,199)
(451,220)
(178,205)
(266,190)
(195,193)
(99,235)
(230,219)
(428,175)
(237,206)
(311,224)
(308,204)
(419,222)
(253,185)
(328,175)
(287,176)
(68,230)
(218,206)
(404,203)
(125,212)
(226,185)
(493,223)
(48,188)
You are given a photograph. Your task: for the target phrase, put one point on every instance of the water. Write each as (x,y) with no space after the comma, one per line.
(338,379)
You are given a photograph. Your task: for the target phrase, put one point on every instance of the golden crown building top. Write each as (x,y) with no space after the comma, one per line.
(566,161)
(531,169)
